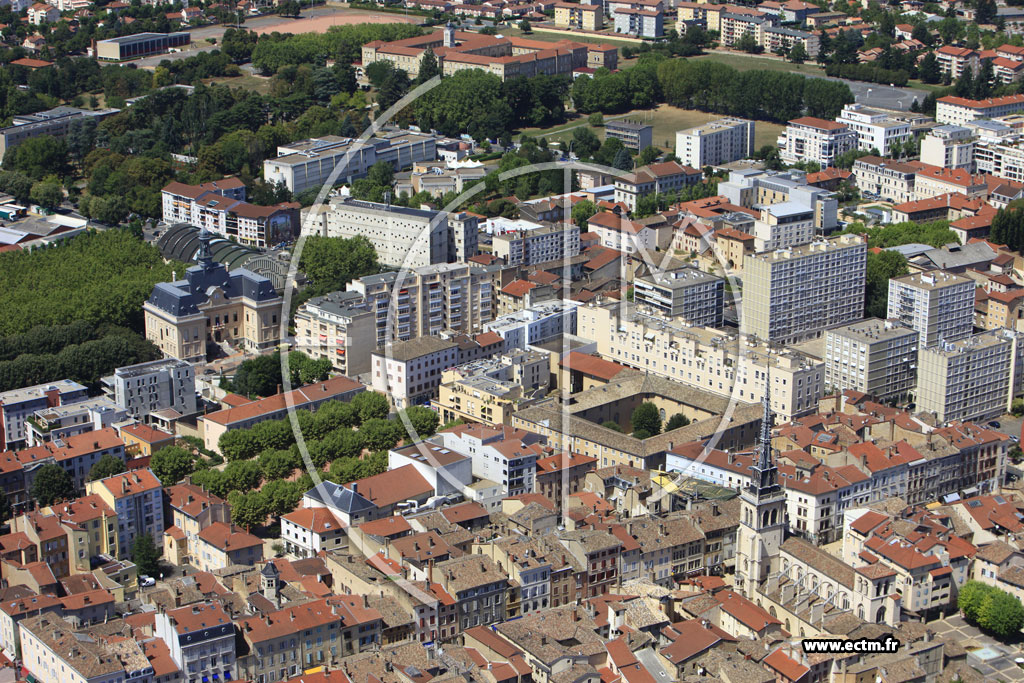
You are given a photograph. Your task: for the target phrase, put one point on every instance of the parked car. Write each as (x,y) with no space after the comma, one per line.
(146,580)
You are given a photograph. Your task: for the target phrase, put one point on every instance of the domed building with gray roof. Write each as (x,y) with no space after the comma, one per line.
(212,305)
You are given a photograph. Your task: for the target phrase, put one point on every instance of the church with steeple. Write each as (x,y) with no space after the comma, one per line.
(762,514)
(212,305)
(792,578)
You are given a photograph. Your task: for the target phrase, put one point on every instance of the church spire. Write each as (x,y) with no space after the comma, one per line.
(766,475)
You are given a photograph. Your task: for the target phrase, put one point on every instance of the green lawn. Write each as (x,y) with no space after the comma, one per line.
(258,84)
(666,121)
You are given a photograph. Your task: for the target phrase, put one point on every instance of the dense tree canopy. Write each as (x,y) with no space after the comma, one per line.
(880,268)
(342,43)
(1008,227)
(97,277)
(332,262)
(765,95)
(171,464)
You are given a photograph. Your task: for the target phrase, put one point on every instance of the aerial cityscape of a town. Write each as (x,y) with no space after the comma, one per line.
(511,341)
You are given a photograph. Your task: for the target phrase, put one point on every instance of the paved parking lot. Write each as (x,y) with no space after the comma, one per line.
(1001,666)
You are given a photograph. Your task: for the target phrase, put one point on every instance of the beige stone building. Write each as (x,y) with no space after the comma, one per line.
(578,15)
(795,294)
(213,305)
(712,360)
(490,390)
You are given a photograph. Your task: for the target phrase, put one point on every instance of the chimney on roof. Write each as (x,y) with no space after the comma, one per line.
(354,487)
(714,509)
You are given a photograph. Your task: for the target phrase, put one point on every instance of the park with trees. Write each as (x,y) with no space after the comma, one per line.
(264,473)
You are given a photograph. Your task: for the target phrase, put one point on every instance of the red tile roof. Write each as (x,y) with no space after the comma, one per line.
(591,365)
(317,520)
(394,486)
(335,386)
(820,124)
(790,669)
(228,537)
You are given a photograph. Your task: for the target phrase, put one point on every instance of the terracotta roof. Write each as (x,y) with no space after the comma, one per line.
(317,520)
(335,386)
(131,483)
(87,599)
(394,486)
(591,365)
(228,537)
(32,63)
(88,443)
(464,512)
(690,638)
(743,610)
(821,124)
(790,669)
(190,499)
(289,620)
(146,433)
(563,460)
(868,521)
(982,104)
(386,526)
(518,288)
(199,617)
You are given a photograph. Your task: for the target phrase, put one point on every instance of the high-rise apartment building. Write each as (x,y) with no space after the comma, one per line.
(339,327)
(425,301)
(794,294)
(17,405)
(545,243)
(874,129)
(704,358)
(716,142)
(818,140)
(971,379)
(688,293)
(403,237)
(939,305)
(948,147)
(876,357)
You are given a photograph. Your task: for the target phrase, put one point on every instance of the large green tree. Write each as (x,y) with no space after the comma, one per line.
(98,277)
(146,555)
(880,268)
(1001,614)
(170,464)
(971,598)
(332,262)
(646,417)
(107,466)
(370,405)
(51,484)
